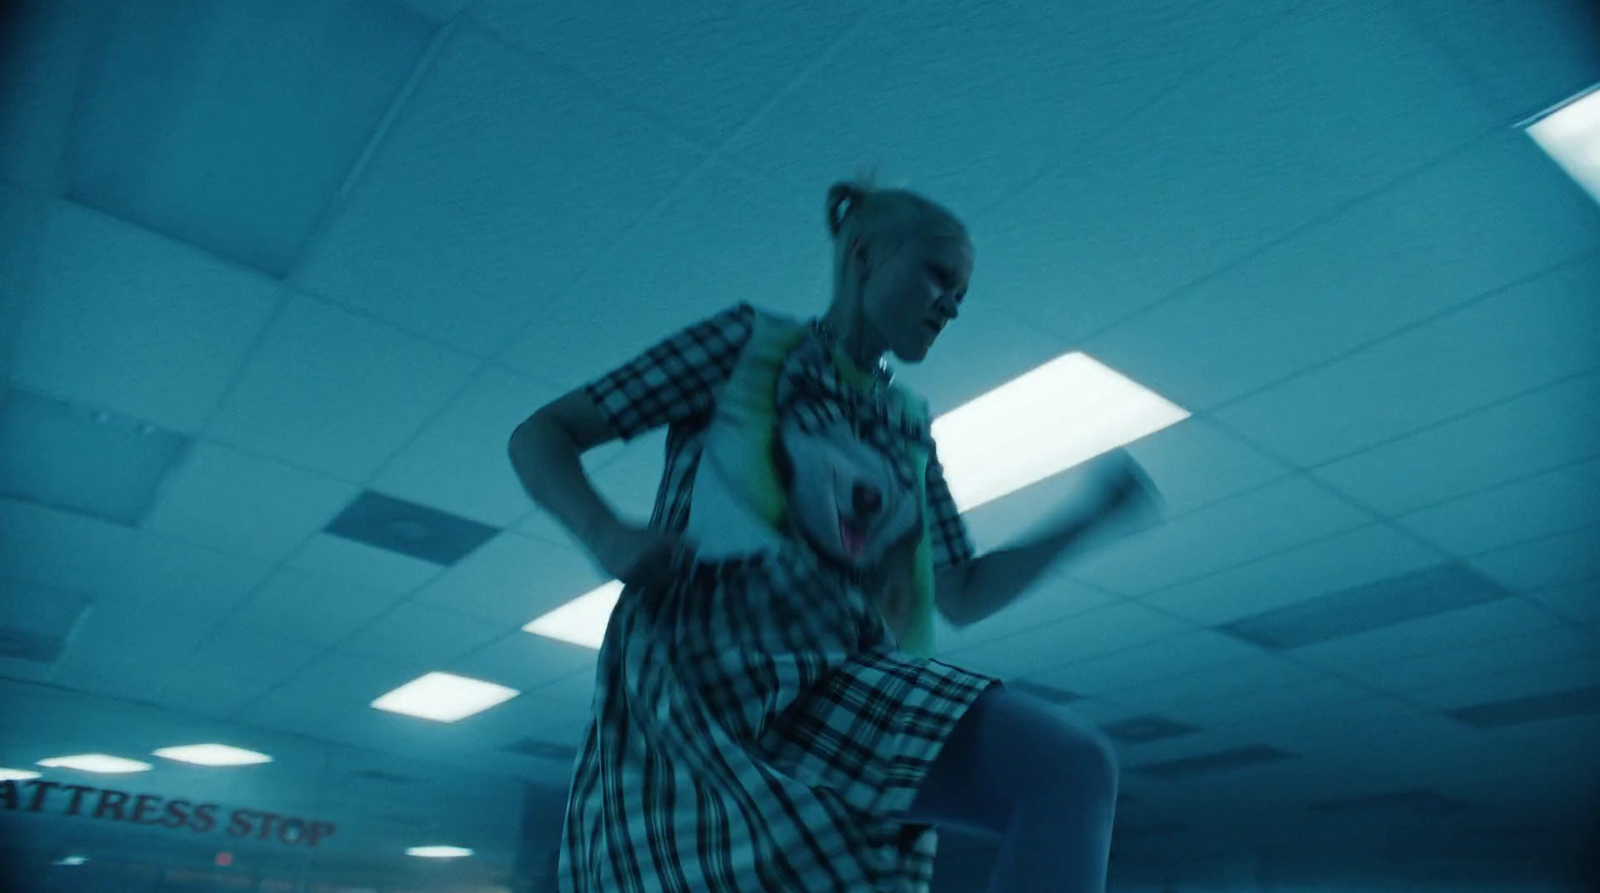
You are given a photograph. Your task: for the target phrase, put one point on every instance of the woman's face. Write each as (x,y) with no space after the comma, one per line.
(916,288)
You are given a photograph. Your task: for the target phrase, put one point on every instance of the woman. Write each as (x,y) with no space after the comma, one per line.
(767,714)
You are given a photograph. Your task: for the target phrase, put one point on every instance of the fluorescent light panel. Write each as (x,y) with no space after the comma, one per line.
(1570,134)
(96,762)
(581,621)
(1044,422)
(17,774)
(444,697)
(1061,414)
(439,852)
(213,755)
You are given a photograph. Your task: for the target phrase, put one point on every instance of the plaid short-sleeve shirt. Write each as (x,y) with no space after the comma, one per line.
(675,383)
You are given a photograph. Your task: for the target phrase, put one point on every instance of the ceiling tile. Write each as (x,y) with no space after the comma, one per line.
(1144,664)
(129,321)
(110,563)
(498,183)
(1517,650)
(1380,265)
(302,608)
(334,684)
(986,136)
(1578,600)
(1246,707)
(1286,129)
(240,653)
(1511,684)
(512,580)
(1294,575)
(232,500)
(22,216)
(1227,682)
(1522,59)
(525,661)
(335,393)
(555,714)
(336,558)
(458,461)
(707,69)
(1195,463)
(1544,563)
(42,51)
(1050,599)
(1533,333)
(1363,725)
(175,104)
(1545,429)
(440,10)
(1050,646)
(1441,633)
(721,238)
(1231,760)
(1373,606)
(207,694)
(1278,516)
(425,635)
(1532,508)
(115,632)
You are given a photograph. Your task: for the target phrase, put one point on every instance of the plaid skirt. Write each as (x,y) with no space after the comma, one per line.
(755,730)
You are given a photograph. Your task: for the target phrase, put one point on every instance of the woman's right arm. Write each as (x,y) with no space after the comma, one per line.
(545,453)
(672,382)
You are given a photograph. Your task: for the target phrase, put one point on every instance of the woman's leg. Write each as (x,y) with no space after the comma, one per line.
(1048,788)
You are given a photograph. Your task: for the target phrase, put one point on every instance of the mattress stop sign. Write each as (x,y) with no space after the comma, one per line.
(153,810)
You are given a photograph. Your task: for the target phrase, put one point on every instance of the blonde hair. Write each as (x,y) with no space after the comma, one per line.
(858,209)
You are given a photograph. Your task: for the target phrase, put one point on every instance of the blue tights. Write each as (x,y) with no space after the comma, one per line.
(1047,788)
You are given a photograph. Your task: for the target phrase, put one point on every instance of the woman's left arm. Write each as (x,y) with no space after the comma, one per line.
(969,592)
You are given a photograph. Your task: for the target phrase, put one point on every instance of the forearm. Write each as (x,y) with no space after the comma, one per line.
(994,580)
(547,462)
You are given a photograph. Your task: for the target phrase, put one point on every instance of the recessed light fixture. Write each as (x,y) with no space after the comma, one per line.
(581,621)
(1057,416)
(1044,422)
(96,762)
(1570,134)
(213,755)
(17,774)
(439,852)
(444,697)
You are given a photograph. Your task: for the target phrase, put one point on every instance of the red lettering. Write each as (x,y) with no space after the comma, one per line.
(267,818)
(176,815)
(41,788)
(111,801)
(78,790)
(239,823)
(8,793)
(205,818)
(146,802)
(318,831)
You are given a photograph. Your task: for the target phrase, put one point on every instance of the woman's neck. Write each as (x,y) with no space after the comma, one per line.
(855,339)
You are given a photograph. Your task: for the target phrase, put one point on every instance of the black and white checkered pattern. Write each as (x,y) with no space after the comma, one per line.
(755,729)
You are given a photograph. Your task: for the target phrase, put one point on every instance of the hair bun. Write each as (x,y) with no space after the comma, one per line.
(843,199)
